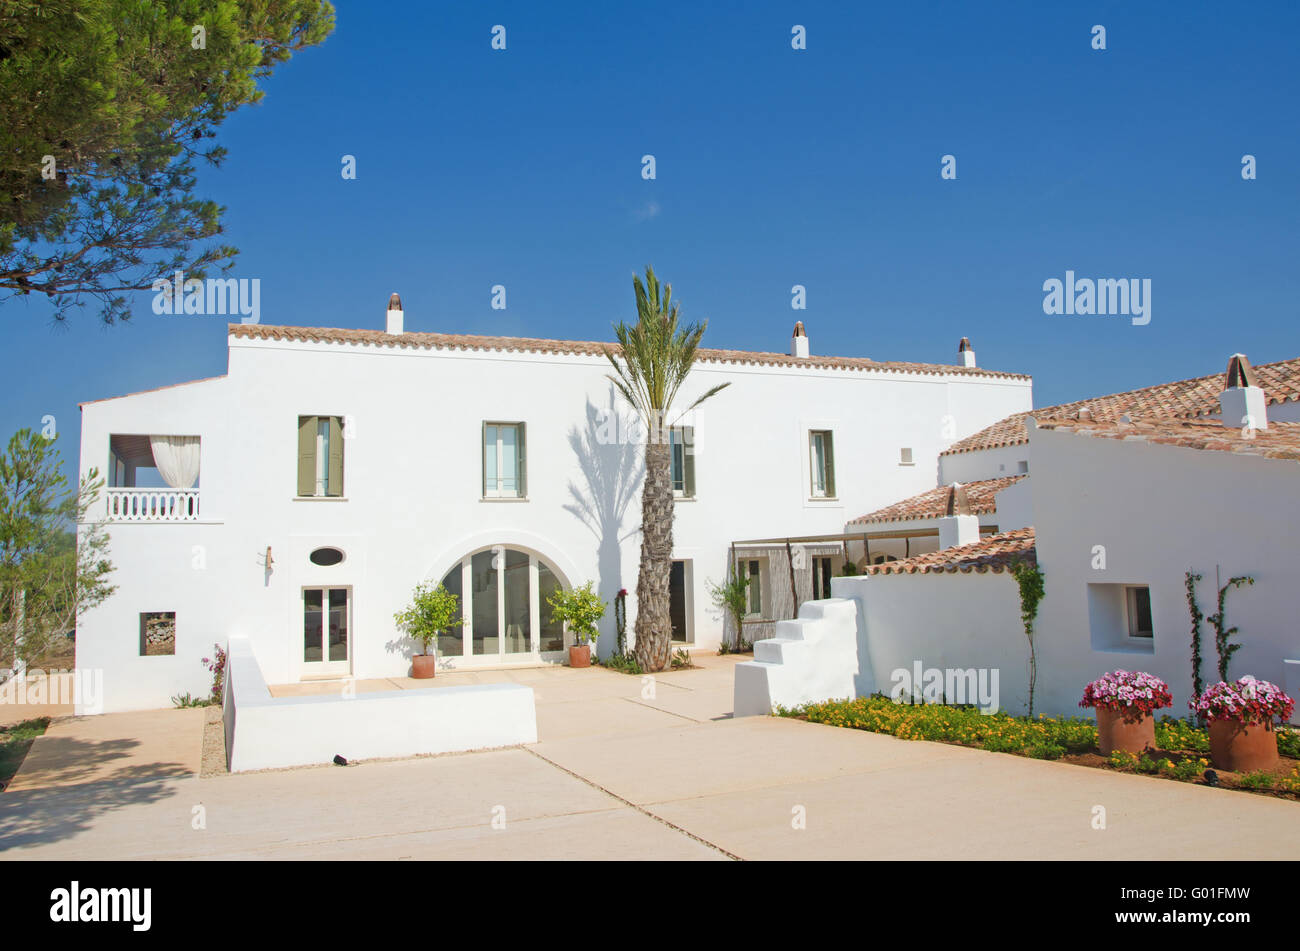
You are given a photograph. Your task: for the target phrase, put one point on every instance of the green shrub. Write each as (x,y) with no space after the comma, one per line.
(1180,735)
(1256,780)
(579,609)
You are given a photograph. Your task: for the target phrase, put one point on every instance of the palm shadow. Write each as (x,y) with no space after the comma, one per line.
(612,467)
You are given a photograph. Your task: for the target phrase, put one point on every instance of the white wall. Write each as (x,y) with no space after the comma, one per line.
(1159,511)
(413,503)
(263,732)
(982,464)
(945,620)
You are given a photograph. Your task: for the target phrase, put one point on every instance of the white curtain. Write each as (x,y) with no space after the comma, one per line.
(177,459)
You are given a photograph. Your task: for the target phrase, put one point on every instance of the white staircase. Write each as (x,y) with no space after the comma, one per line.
(811,658)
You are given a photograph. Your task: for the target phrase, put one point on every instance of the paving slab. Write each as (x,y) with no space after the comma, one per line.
(114,748)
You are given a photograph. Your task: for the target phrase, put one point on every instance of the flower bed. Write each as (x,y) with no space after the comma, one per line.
(1180,754)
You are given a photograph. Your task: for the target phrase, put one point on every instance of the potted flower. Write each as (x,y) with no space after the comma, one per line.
(580,609)
(1124,701)
(1241,715)
(432,610)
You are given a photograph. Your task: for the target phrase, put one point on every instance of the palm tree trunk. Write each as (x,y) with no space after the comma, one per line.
(653,647)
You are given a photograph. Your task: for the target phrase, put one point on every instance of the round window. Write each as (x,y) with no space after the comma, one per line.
(326,557)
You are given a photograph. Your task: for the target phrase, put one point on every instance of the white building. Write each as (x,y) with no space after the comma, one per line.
(300,497)
(1127,493)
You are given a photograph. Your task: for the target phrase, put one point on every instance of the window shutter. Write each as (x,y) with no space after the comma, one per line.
(830,464)
(306,455)
(483,460)
(335,486)
(522,455)
(688,461)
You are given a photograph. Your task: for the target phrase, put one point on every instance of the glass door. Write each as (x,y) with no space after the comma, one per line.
(503,595)
(326,626)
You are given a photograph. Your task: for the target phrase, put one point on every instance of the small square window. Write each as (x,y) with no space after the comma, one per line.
(1022,466)
(905,456)
(157,633)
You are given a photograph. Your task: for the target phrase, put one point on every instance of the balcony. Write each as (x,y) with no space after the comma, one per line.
(153,478)
(152,505)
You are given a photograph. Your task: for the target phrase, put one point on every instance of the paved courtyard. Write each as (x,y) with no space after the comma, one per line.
(615,775)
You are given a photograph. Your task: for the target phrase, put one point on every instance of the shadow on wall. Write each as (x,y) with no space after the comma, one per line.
(612,467)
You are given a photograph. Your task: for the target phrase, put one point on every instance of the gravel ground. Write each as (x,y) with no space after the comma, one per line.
(214,745)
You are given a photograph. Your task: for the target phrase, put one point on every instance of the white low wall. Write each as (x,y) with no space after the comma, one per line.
(265,732)
(809,659)
(943,621)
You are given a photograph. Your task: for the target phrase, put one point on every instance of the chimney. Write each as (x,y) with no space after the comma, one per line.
(1242,404)
(966,353)
(958,526)
(395,315)
(799,341)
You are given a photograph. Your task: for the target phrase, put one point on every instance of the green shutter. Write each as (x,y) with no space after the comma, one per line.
(688,460)
(335,486)
(521,454)
(306,455)
(830,464)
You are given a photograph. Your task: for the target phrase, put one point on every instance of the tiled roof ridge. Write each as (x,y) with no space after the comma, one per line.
(428,340)
(1280,441)
(1279,387)
(996,554)
(981,494)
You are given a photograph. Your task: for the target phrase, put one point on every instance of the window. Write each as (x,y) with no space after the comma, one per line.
(1138,611)
(905,456)
(504,465)
(320,456)
(681,444)
(326,557)
(821,577)
(753,568)
(1022,465)
(157,633)
(822,456)
(1120,618)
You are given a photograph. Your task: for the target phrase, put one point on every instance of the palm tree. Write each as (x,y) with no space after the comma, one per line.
(657,356)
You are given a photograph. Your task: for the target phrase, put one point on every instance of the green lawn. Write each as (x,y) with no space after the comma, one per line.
(15,741)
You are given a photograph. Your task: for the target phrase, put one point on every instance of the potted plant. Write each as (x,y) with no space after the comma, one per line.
(1241,715)
(1124,701)
(579,609)
(432,610)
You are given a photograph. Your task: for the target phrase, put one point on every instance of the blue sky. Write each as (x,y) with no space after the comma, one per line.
(774,167)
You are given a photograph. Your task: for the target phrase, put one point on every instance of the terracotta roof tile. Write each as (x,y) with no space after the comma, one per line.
(1184,399)
(996,554)
(1279,441)
(435,341)
(931,503)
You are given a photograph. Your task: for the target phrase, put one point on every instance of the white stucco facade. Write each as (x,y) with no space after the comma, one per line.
(412,503)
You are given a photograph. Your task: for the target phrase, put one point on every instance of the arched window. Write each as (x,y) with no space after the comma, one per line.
(503,594)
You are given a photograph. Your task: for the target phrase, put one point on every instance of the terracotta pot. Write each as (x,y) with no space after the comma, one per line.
(1116,733)
(580,655)
(424,666)
(1242,747)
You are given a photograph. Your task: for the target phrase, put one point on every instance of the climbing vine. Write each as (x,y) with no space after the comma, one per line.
(1222,633)
(1031,581)
(1189,582)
